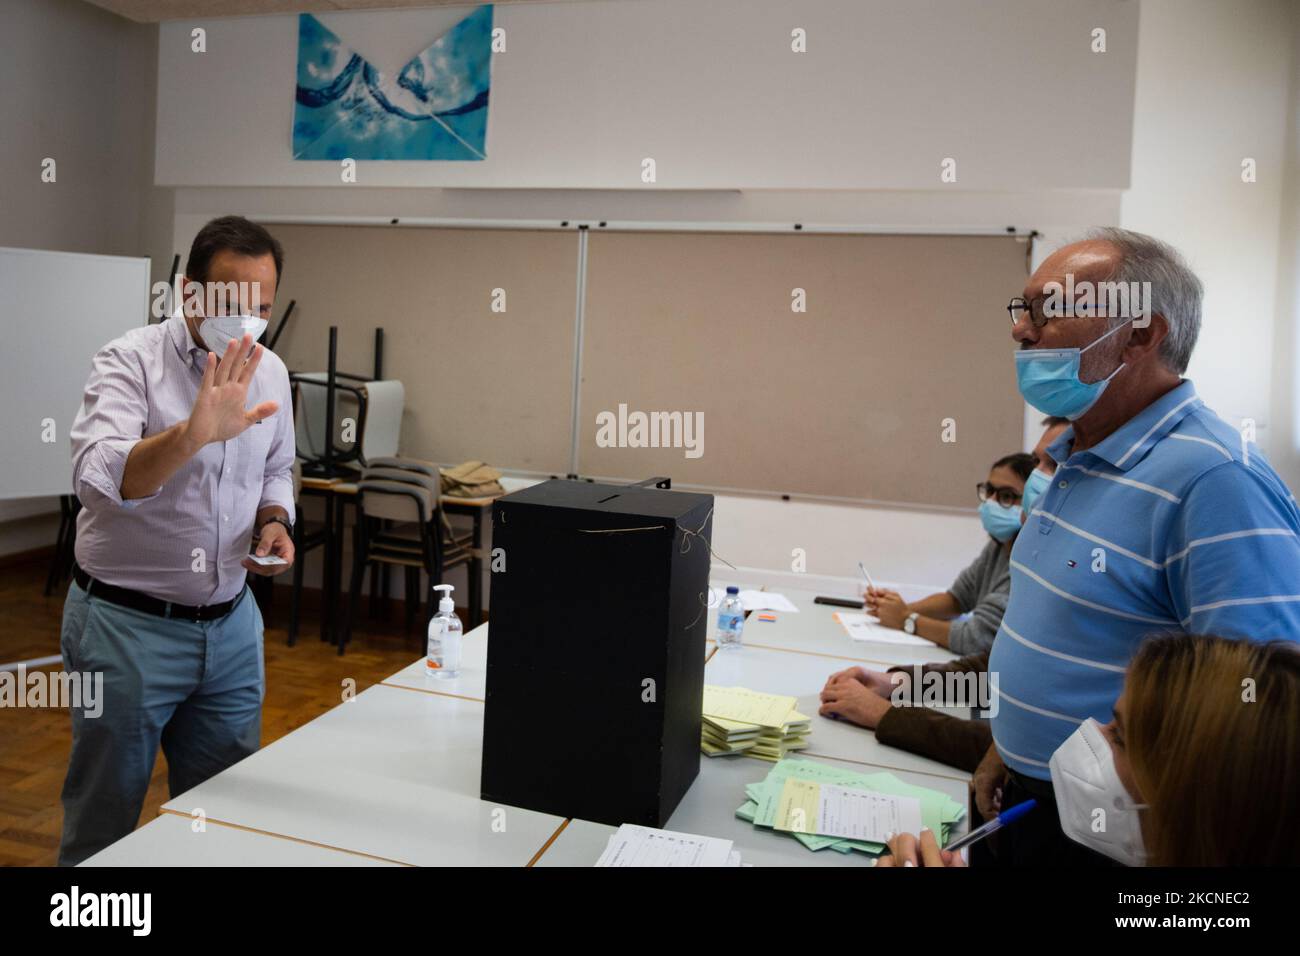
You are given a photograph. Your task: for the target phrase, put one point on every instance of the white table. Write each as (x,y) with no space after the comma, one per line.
(470,683)
(815,631)
(170,840)
(709,809)
(394,774)
(803,676)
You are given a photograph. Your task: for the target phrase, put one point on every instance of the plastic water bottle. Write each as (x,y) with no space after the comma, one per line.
(445,638)
(731,620)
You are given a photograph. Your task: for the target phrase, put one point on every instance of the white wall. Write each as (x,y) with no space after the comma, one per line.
(1285,449)
(80,87)
(1214,84)
(757,537)
(711,91)
(843,125)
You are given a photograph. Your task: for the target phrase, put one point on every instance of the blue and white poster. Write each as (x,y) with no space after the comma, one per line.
(434,108)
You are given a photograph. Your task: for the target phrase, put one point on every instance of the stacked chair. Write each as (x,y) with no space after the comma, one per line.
(400,521)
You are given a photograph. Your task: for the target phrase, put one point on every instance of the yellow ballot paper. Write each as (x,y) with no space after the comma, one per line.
(806,806)
(748,706)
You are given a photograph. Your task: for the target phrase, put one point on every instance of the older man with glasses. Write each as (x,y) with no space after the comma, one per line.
(1160,517)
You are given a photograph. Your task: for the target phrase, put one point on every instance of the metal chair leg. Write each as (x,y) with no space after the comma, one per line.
(354,586)
(374,591)
(412,596)
(295,597)
(327,573)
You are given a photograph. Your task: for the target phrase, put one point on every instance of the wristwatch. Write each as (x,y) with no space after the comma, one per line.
(909,625)
(278,519)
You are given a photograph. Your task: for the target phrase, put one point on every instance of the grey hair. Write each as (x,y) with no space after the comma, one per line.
(1175,290)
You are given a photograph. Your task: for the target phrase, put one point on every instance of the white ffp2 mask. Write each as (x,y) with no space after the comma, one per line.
(1094,807)
(217,330)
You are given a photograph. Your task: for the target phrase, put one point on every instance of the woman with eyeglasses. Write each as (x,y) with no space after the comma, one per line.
(981,590)
(866,698)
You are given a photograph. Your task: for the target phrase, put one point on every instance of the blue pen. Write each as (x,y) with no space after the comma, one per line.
(994,825)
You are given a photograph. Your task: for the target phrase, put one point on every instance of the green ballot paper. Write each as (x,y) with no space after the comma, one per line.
(938,811)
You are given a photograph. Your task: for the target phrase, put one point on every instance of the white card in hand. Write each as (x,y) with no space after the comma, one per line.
(265,560)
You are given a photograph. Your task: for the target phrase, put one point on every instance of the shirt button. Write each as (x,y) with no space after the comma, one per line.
(1063,484)
(225,517)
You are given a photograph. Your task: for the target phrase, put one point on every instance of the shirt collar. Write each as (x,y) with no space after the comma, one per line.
(1130,443)
(179,330)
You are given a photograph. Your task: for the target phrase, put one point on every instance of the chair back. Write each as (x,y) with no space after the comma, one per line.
(399,493)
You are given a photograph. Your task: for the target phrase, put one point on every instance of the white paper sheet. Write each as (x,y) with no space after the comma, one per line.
(868,629)
(864,815)
(767,601)
(634,845)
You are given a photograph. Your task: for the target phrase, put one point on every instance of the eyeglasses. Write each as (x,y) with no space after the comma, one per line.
(1006,497)
(1039,313)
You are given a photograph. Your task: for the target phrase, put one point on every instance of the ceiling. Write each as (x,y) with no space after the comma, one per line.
(153,11)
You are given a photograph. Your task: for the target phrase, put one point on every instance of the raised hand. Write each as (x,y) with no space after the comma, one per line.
(219,412)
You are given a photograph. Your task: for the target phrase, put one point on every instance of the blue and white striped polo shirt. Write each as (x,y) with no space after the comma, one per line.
(1195,534)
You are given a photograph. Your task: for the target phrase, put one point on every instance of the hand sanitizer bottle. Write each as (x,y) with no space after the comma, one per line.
(445,633)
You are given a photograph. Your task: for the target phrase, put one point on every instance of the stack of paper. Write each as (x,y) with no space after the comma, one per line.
(742,721)
(720,736)
(774,745)
(633,845)
(823,807)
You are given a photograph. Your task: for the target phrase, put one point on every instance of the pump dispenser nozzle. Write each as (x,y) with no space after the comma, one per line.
(446,603)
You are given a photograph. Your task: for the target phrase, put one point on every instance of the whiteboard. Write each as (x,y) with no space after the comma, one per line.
(57,309)
(701,325)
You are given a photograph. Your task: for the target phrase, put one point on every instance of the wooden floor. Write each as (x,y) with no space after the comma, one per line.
(302,682)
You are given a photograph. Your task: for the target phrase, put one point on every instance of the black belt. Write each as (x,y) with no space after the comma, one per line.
(1042,789)
(150,605)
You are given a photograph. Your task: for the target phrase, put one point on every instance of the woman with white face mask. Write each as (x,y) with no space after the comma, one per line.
(1200,765)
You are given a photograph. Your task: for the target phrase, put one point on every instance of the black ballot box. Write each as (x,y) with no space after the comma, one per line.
(596,646)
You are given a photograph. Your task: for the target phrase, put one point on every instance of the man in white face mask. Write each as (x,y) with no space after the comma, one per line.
(182,456)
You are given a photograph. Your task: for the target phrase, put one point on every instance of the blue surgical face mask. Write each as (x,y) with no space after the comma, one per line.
(1049,379)
(1001,522)
(1037,483)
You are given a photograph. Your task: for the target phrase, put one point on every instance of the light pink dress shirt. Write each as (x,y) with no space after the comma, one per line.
(183,543)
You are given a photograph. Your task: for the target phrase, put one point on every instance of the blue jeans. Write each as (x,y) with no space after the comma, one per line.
(194,687)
